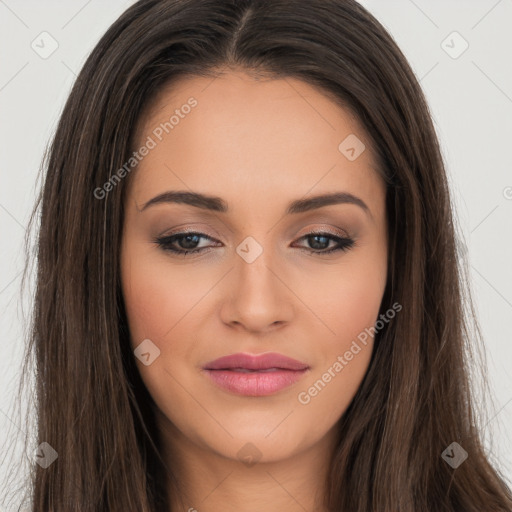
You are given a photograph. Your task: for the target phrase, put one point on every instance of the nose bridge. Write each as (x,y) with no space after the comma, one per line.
(253,274)
(259,298)
(254,261)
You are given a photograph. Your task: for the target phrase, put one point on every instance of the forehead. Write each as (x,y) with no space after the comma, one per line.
(251,138)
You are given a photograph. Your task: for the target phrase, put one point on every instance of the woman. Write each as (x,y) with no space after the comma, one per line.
(247,287)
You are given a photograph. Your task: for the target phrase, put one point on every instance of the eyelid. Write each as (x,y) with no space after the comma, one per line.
(190,229)
(327,228)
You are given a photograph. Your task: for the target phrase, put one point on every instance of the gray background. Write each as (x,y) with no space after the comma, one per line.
(470,97)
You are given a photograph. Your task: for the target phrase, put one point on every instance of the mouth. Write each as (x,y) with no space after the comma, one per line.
(255,375)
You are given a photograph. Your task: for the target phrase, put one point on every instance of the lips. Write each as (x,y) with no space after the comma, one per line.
(255,375)
(250,362)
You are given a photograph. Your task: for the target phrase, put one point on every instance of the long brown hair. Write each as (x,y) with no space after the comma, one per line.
(415,400)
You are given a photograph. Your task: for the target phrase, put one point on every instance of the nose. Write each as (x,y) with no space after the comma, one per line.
(258,297)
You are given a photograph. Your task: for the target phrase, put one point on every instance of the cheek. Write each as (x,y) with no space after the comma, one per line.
(157,296)
(343,357)
(349,309)
(347,298)
(159,301)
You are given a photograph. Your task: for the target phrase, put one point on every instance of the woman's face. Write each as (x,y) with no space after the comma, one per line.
(262,281)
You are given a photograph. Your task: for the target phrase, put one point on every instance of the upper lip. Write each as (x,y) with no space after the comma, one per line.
(255,362)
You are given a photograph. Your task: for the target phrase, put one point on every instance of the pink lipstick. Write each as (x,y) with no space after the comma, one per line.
(255,374)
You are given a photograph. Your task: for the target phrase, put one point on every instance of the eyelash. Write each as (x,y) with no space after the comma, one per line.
(165,243)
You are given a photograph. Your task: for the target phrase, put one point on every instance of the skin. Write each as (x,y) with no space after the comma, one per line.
(258,144)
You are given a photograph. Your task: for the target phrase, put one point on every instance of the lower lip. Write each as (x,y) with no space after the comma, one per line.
(255,383)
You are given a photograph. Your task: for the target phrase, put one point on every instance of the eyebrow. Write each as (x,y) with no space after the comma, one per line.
(217,204)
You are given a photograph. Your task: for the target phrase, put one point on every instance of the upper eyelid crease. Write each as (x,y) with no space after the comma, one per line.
(217,204)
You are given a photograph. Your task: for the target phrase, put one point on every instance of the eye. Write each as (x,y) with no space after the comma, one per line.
(188,243)
(321,240)
(183,244)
